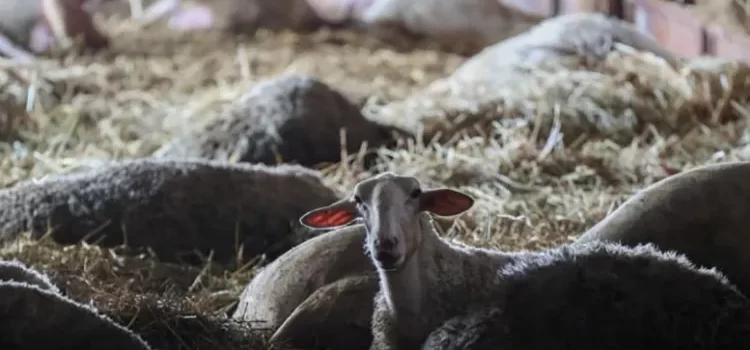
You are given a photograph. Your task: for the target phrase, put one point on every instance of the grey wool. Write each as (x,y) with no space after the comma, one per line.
(316,295)
(288,119)
(600,296)
(34,315)
(702,213)
(16,271)
(173,208)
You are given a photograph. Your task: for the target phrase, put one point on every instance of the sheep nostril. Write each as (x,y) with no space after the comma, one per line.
(387,244)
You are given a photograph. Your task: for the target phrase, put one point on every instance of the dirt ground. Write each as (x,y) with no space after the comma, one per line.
(130,100)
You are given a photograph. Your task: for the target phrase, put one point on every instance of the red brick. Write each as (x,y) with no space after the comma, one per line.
(673,25)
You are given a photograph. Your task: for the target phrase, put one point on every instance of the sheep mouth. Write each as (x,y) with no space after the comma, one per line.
(389,261)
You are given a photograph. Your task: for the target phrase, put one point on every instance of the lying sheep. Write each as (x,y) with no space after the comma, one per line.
(290,119)
(336,316)
(397,255)
(35,318)
(14,270)
(702,213)
(485,77)
(301,294)
(425,280)
(603,296)
(34,315)
(174,208)
(464,25)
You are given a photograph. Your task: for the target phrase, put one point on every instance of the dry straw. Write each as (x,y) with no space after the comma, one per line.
(561,149)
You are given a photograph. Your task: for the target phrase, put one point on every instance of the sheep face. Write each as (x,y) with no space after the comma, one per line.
(390,206)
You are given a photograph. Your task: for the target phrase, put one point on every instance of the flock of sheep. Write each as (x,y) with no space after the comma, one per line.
(650,275)
(666,270)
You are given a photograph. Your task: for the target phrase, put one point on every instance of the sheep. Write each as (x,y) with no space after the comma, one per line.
(592,35)
(485,78)
(291,118)
(463,26)
(425,280)
(288,294)
(35,315)
(36,318)
(411,260)
(14,270)
(702,213)
(603,295)
(177,209)
(335,316)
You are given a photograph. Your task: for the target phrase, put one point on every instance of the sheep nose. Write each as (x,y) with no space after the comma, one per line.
(386,245)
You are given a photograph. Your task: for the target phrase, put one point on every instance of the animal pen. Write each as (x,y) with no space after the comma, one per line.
(548,136)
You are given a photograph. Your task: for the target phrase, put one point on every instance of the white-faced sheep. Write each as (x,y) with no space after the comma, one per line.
(303,293)
(425,280)
(413,263)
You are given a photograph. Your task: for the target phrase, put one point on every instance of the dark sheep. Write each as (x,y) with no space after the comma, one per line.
(14,270)
(602,296)
(288,119)
(33,315)
(702,213)
(172,207)
(35,318)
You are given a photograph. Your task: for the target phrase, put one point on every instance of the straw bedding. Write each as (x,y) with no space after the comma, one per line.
(606,130)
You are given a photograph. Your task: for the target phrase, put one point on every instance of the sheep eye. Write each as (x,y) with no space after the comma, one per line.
(358,199)
(416,193)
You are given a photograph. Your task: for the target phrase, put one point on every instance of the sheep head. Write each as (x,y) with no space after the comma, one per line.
(389,205)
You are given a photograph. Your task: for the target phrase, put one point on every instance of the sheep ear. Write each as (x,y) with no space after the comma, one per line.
(337,214)
(445,202)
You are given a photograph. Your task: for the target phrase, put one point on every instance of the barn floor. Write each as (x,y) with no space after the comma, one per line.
(128,101)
